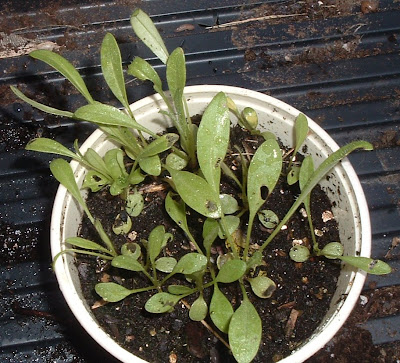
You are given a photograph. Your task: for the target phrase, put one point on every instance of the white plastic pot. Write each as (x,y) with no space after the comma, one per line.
(343,189)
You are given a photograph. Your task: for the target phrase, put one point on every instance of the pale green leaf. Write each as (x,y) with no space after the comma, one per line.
(85,243)
(63,66)
(268,218)
(198,310)
(213,139)
(148,34)
(333,250)
(112,292)
(114,163)
(300,130)
(40,106)
(231,223)
(96,161)
(221,310)
(111,66)
(229,204)
(197,193)
(176,161)
(245,332)
(156,242)
(179,289)
(293,175)
(177,211)
(131,249)
(134,204)
(299,253)
(161,302)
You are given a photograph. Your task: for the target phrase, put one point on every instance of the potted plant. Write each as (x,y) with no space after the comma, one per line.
(210,184)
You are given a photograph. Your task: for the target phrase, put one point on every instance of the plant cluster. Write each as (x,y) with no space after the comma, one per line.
(192,162)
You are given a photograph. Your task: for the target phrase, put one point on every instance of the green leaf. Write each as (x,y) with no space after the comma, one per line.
(122,224)
(176,71)
(177,211)
(159,145)
(179,289)
(112,292)
(102,114)
(86,244)
(210,233)
(299,253)
(198,310)
(63,66)
(300,130)
(135,177)
(373,267)
(96,161)
(221,310)
(176,162)
(191,263)
(63,173)
(148,34)
(134,204)
(156,242)
(264,171)
(213,139)
(262,286)
(231,223)
(231,271)
(151,165)
(229,204)
(142,70)
(332,250)
(197,193)
(162,302)
(165,264)
(40,106)
(306,171)
(268,218)
(111,66)
(245,332)
(131,249)
(50,146)
(127,262)
(114,163)
(293,175)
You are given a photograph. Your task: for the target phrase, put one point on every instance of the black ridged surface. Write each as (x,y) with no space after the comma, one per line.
(334,63)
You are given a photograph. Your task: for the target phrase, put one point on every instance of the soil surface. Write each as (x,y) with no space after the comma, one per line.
(296,308)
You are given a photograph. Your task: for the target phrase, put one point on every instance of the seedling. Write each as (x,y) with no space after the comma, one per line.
(193,168)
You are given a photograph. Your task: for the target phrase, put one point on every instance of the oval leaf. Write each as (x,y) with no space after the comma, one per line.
(142,70)
(176,71)
(221,310)
(191,263)
(156,242)
(229,204)
(332,250)
(127,262)
(197,193)
(213,139)
(179,289)
(134,204)
(151,165)
(231,271)
(159,145)
(112,292)
(161,302)
(299,253)
(50,146)
(177,211)
(264,171)
(165,264)
(300,130)
(199,309)
(245,332)
(268,218)
(262,286)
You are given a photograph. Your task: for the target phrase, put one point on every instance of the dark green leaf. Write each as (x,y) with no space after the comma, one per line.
(268,218)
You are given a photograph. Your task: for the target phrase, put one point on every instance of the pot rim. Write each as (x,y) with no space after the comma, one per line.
(308,349)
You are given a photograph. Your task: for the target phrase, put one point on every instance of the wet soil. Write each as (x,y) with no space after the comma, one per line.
(302,297)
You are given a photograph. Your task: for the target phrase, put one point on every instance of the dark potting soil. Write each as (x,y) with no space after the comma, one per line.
(301,300)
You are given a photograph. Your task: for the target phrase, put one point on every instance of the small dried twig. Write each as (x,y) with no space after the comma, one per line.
(291,323)
(251,20)
(212,331)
